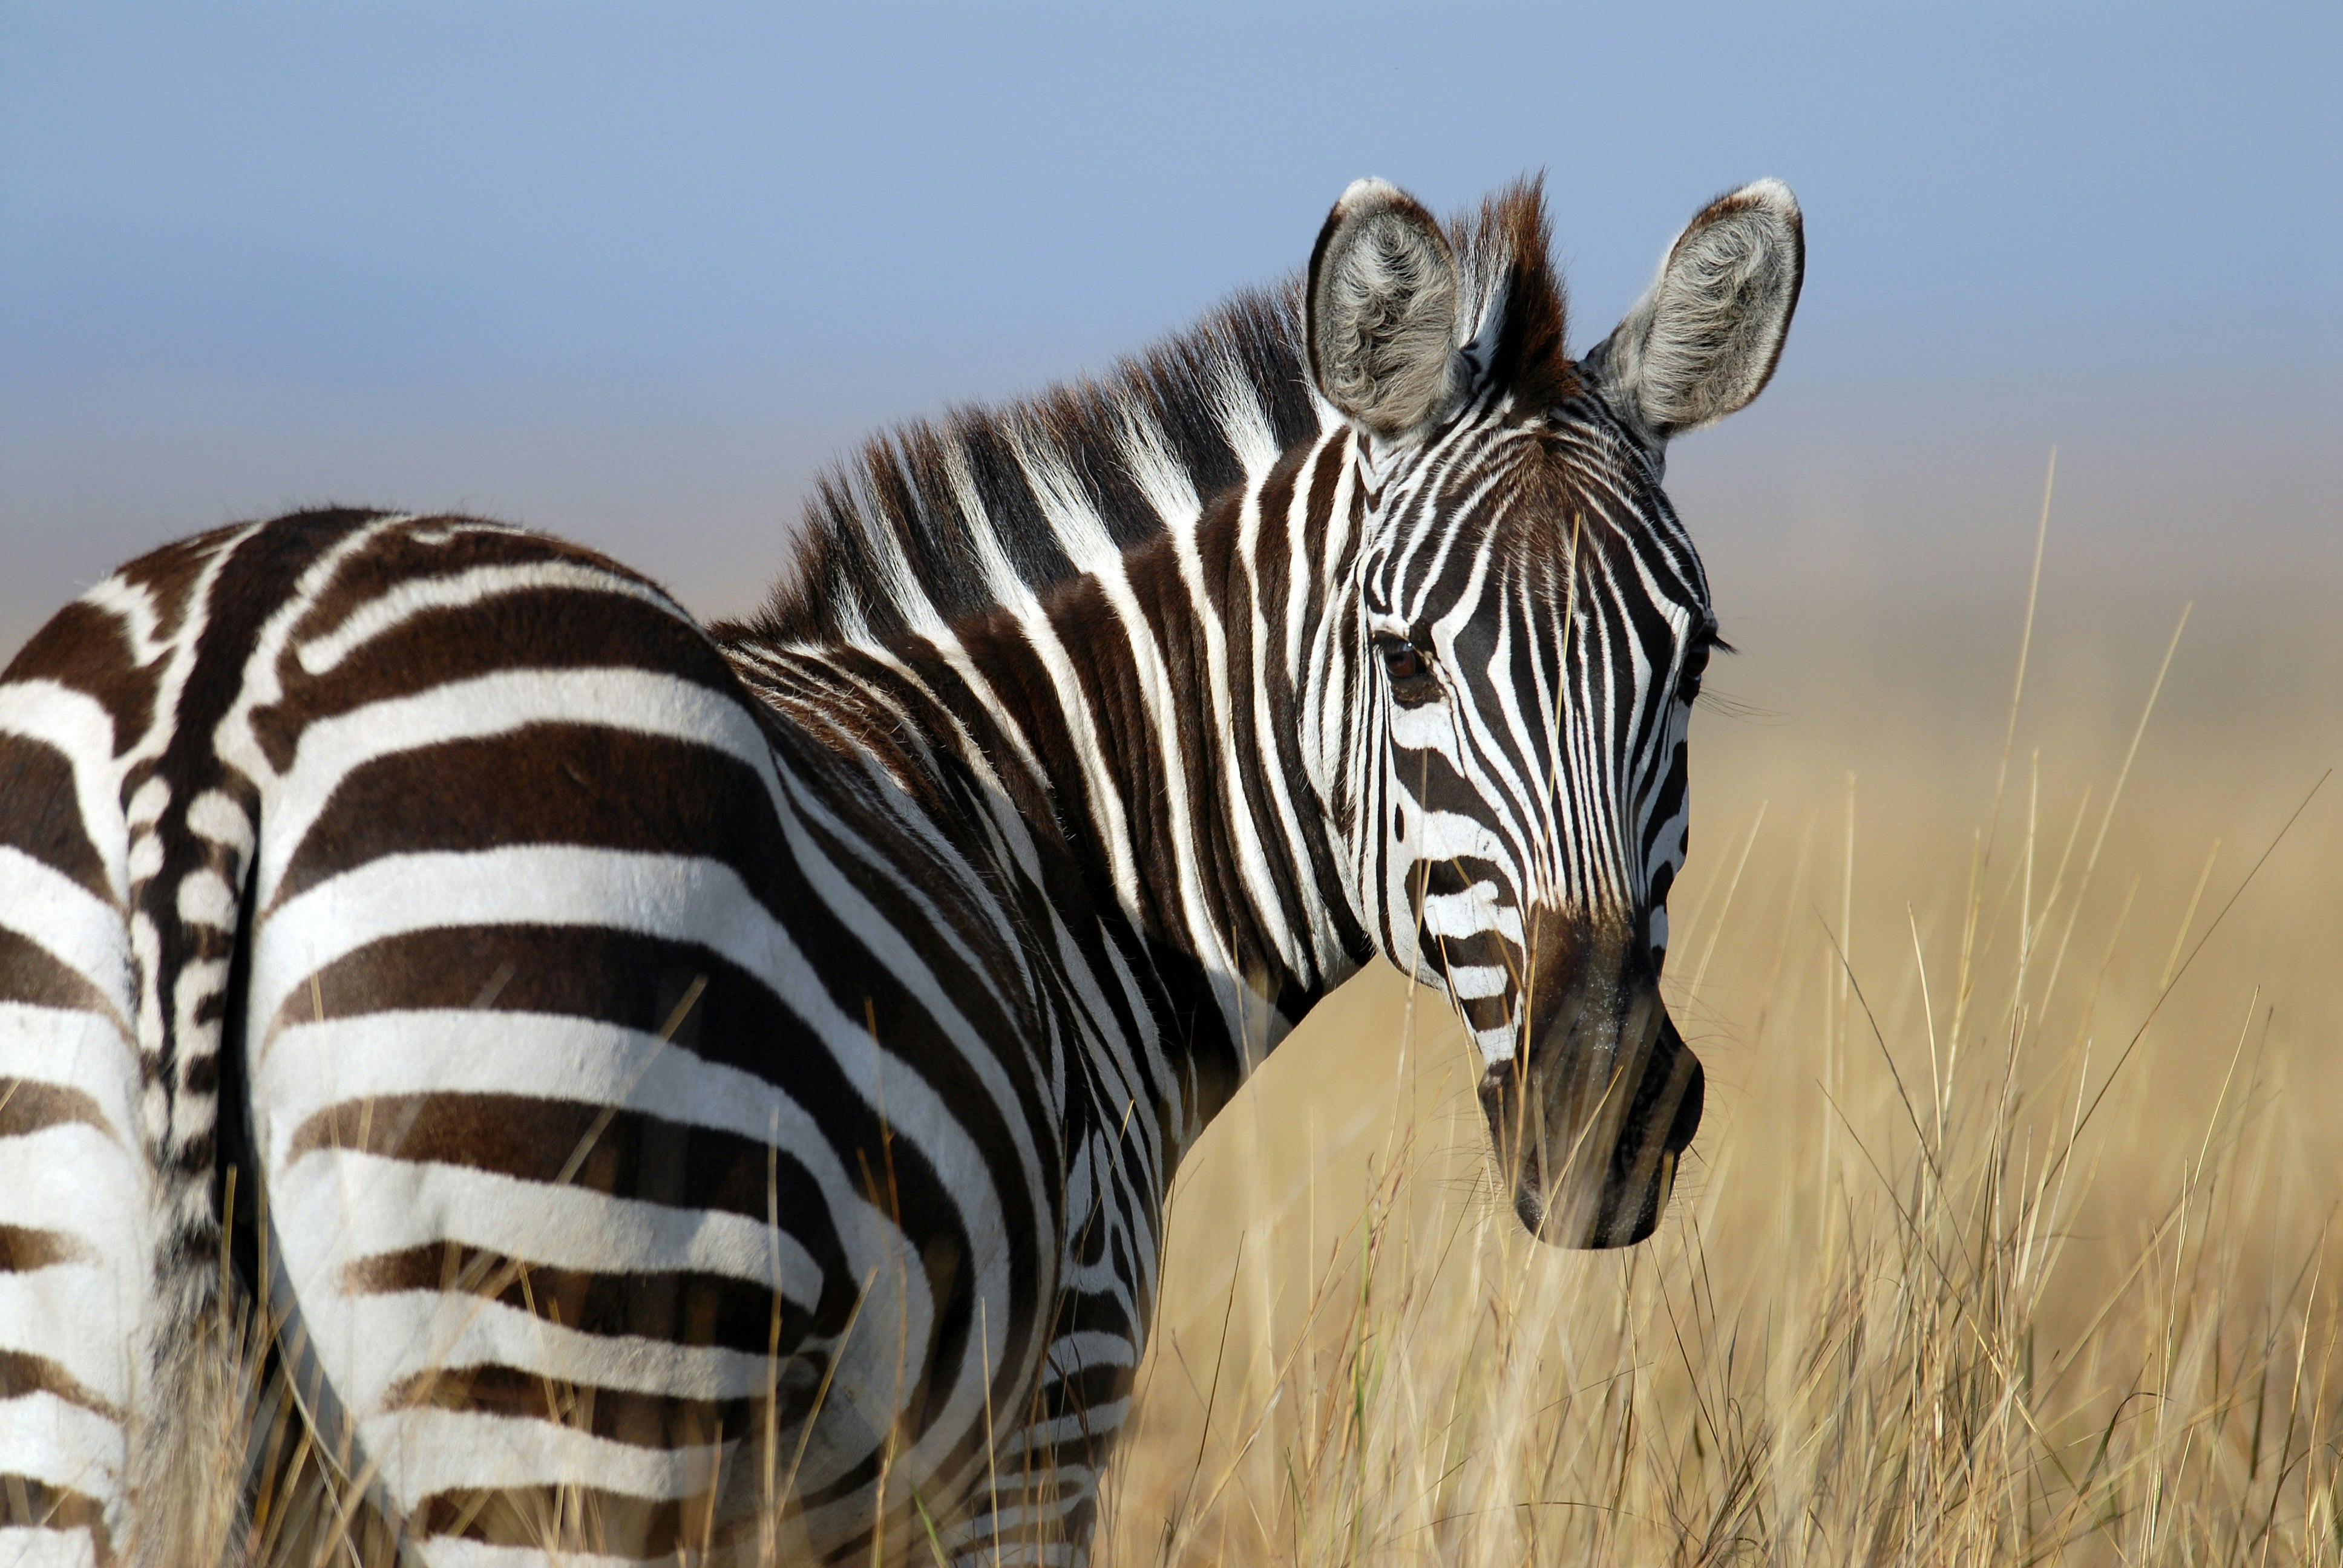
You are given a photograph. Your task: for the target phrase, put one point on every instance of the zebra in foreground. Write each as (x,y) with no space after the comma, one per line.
(710,1094)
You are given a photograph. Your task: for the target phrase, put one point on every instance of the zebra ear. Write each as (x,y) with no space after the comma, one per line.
(1382,304)
(1705,337)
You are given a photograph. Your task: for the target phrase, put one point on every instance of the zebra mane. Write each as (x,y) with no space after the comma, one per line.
(931,520)
(925,519)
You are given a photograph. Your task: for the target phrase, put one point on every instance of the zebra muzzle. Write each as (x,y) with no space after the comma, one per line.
(1590,1122)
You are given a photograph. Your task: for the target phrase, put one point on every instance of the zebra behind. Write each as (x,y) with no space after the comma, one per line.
(711,1094)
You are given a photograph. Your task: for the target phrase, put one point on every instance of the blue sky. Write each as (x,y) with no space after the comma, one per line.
(633,272)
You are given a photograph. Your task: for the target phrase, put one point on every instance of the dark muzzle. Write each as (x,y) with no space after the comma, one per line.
(1594,1111)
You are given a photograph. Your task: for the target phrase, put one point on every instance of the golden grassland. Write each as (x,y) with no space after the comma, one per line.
(2007,1237)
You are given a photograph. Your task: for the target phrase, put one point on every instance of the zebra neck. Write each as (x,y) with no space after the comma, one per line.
(1162,698)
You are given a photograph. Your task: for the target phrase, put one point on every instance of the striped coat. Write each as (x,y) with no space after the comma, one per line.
(713,1090)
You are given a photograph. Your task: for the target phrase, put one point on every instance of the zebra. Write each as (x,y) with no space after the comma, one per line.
(710,1093)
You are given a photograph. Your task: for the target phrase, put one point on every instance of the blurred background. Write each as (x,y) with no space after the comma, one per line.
(634,274)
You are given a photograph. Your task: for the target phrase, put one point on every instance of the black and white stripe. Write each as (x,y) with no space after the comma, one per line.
(718,1090)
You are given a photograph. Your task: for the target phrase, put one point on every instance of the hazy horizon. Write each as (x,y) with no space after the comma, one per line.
(635,277)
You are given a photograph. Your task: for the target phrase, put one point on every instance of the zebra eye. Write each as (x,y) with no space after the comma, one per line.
(1410,672)
(1688,683)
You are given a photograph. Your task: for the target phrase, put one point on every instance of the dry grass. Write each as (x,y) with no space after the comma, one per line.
(2008,1235)
(2006,1239)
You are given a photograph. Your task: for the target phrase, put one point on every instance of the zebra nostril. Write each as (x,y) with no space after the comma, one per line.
(1686,1121)
(1529,1207)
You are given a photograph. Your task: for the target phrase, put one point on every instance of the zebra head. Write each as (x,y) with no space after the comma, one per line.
(1531,623)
